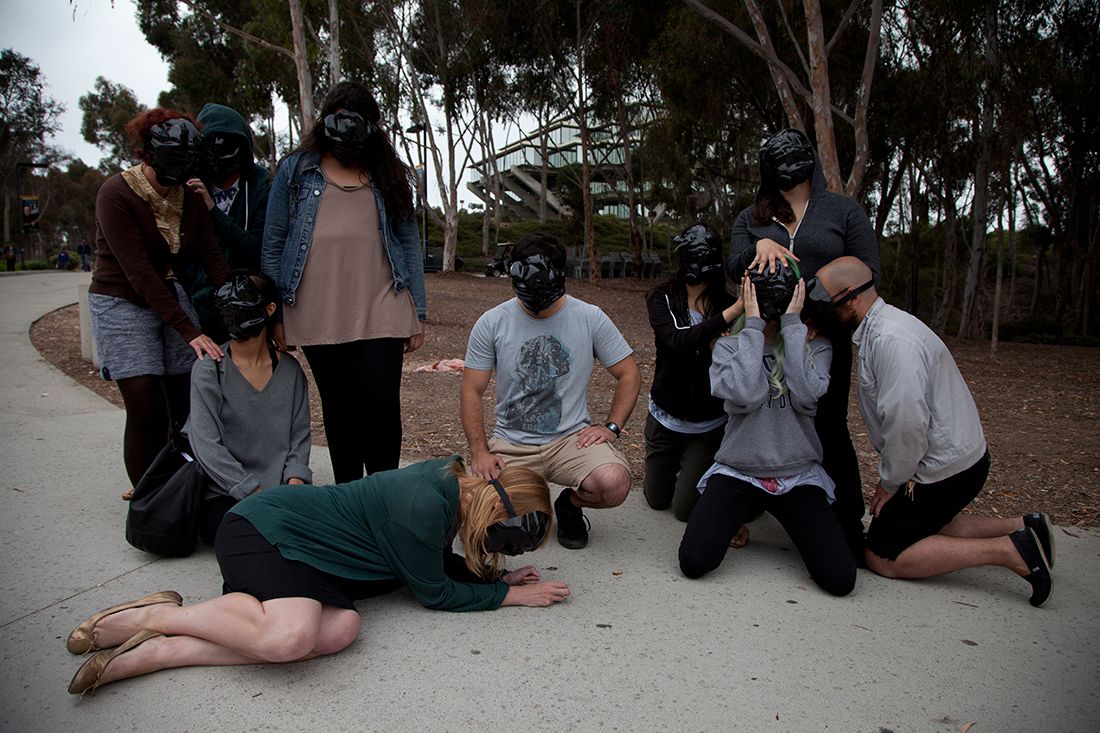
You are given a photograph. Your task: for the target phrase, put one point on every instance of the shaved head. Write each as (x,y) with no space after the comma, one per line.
(843,273)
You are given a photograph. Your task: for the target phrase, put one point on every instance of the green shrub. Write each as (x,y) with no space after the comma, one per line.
(33,265)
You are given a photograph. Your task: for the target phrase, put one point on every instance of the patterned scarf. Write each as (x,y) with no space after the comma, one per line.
(168,211)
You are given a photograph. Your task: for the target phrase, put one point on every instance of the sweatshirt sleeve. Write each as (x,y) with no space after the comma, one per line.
(737,369)
(204,432)
(417,557)
(117,219)
(901,375)
(807,375)
(277,226)
(297,460)
(681,339)
(742,245)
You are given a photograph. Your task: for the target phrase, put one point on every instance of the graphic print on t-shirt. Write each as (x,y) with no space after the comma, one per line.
(537,407)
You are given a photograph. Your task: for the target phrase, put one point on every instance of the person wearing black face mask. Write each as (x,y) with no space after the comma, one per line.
(341,243)
(249,423)
(795,216)
(152,232)
(294,558)
(234,188)
(543,346)
(685,423)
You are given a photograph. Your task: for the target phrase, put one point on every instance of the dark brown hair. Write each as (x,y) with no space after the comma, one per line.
(379,158)
(772,204)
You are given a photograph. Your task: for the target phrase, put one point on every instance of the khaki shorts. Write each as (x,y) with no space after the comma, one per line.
(560,462)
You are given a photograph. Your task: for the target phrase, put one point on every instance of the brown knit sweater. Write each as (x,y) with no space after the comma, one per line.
(133,259)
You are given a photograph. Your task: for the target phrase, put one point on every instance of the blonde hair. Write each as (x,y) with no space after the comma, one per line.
(527,491)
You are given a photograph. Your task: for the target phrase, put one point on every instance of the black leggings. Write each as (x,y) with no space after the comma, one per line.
(838,454)
(360,388)
(803,511)
(153,405)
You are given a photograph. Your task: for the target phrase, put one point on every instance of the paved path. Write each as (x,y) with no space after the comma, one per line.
(753,647)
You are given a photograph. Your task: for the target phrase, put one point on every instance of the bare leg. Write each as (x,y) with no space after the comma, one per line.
(279,630)
(338,628)
(941,554)
(606,486)
(970,525)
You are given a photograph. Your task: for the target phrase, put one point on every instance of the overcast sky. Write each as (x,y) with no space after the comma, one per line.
(73,44)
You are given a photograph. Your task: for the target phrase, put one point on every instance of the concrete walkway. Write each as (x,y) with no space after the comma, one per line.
(755,646)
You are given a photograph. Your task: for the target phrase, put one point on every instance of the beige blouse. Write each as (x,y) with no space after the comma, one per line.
(346,291)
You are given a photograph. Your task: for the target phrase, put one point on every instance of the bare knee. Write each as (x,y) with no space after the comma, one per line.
(338,632)
(288,641)
(607,486)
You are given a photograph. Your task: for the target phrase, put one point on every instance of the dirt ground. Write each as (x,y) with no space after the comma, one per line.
(1040,405)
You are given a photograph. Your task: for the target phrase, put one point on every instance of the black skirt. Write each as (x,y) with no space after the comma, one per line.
(250,564)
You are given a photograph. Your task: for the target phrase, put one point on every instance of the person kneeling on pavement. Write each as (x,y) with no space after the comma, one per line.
(543,345)
(921,418)
(249,421)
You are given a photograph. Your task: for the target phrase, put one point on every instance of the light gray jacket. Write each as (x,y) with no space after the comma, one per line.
(919,413)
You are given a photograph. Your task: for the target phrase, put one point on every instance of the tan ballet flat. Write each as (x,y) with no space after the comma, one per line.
(82,640)
(87,677)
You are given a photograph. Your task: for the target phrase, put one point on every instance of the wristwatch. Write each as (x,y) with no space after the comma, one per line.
(613,428)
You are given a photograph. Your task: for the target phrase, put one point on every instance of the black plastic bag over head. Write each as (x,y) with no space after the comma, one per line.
(786,160)
(698,252)
(774,290)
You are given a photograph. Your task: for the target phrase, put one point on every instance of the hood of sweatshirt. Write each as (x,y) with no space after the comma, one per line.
(817,179)
(219,119)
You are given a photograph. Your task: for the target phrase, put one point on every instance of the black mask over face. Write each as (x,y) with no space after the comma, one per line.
(774,290)
(348,132)
(537,282)
(515,535)
(786,160)
(822,309)
(224,155)
(699,252)
(243,309)
(173,150)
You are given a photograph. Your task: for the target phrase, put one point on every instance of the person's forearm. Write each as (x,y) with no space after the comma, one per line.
(473,423)
(625,397)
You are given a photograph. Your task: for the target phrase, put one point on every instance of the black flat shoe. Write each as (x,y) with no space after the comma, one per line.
(1027,544)
(1044,531)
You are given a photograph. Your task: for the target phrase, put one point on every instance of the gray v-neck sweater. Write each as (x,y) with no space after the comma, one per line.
(247,439)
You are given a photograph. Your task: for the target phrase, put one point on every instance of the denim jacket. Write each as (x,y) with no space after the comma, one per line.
(291,211)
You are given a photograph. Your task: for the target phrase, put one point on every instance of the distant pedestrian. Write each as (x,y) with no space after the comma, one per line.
(9,257)
(84,250)
(63,259)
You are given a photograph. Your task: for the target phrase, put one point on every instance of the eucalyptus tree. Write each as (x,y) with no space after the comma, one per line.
(106,110)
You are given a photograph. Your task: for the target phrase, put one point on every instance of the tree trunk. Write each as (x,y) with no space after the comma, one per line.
(635,239)
(822,96)
(301,63)
(782,88)
(912,281)
(544,144)
(950,256)
(586,176)
(968,320)
(997,293)
(334,72)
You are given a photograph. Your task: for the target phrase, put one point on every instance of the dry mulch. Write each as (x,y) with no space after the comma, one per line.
(1040,405)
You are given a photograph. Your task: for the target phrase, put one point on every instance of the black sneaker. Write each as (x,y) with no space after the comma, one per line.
(1027,544)
(1044,531)
(572,524)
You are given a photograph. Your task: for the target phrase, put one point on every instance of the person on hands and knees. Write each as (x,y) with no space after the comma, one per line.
(922,420)
(543,346)
(294,558)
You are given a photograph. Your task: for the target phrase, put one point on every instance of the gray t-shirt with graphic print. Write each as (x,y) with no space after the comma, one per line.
(543,366)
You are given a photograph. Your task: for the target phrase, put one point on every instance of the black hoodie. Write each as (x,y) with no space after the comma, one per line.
(240,233)
(833,226)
